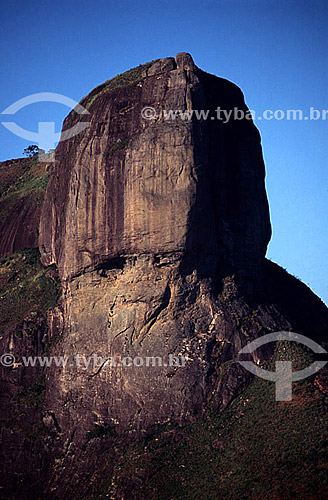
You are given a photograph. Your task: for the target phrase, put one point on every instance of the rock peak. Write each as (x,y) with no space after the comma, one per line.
(159,228)
(107,197)
(184,61)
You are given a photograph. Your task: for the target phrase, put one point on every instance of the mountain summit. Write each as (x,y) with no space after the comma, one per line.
(157,220)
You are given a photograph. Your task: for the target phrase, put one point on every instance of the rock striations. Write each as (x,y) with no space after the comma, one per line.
(145,219)
(129,186)
(158,223)
(159,229)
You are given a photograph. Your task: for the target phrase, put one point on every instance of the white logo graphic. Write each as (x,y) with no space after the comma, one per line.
(283,376)
(46,137)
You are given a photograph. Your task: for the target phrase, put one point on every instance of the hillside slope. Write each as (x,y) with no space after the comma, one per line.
(152,243)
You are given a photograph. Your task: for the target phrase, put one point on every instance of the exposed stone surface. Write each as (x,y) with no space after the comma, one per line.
(159,229)
(22,185)
(129,186)
(145,218)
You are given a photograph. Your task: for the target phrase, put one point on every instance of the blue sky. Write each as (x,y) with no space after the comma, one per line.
(276,51)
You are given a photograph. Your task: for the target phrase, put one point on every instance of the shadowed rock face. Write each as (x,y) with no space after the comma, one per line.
(19,229)
(130,186)
(145,219)
(159,229)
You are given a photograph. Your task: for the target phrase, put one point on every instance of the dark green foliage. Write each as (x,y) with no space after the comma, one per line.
(117,146)
(256,449)
(121,80)
(101,431)
(25,286)
(31,151)
(32,395)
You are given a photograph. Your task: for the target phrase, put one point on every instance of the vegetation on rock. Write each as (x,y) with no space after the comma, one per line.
(256,449)
(25,286)
(122,80)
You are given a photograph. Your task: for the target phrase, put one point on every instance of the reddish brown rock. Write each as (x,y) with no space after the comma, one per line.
(145,219)
(22,186)
(128,186)
(159,229)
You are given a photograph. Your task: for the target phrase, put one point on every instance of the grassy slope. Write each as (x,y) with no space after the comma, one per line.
(25,286)
(22,186)
(122,80)
(20,178)
(257,449)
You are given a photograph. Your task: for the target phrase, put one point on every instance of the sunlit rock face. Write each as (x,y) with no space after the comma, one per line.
(22,185)
(130,186)
(157,227)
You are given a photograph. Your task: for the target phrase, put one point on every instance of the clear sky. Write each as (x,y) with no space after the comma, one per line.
(275,50)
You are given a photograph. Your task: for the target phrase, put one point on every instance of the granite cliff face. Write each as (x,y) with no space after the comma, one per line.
(22,186)
(129,186)
(145,219)
(158,228)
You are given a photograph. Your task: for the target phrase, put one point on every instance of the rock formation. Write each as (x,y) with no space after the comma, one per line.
(22,185)
(129,186)
(159,229)
(145,219)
